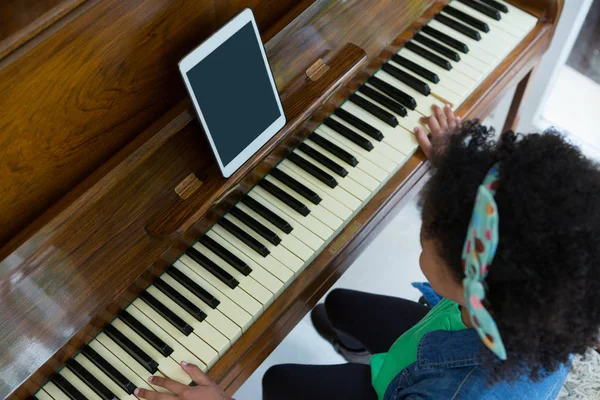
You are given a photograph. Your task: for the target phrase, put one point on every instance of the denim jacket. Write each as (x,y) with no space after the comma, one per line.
(448,367)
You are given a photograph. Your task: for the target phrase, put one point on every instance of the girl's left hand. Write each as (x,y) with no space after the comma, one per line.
(206,389)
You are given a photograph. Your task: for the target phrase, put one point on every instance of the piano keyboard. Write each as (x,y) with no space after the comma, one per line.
(214,292)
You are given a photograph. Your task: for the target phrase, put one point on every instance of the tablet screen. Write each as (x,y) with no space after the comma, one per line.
(234,93)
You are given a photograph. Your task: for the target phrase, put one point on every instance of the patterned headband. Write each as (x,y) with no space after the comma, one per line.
(478,254)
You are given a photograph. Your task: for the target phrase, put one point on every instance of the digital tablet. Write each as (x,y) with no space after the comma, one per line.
(232,88)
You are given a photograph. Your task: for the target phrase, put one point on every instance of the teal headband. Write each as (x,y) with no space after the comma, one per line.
(478,253)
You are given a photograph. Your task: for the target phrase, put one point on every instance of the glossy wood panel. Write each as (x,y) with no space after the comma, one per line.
(77,94)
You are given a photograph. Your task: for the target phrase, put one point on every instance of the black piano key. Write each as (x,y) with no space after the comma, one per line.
(255,225)
(298,187)
(244,237)
(396,94)
(496,5)
(32,398)
(108,369)
(145,333)
(457,26)
(130,348)
(482,8)
(193,287)
(359,124)
(438,48)
(326,161)
(225,254)
(410,80)
(467,19)
(209,265)
(290,201)
(434,58)
(167,314)
(349,133)
(374,110)
(66,387)
(268,214)
(383,100)
(334,149)
(449,40)
(102,391)
(313,170)
(180,300)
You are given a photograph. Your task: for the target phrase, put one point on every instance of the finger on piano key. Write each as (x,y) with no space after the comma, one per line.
(266,233)
(447,39)
(373,109)
(332,198)
(249,240)
(202,329)
(213,316)
(424,103)
(349,134)
(466,18)
(503,25)
(484,9)
(296,186)
(54,392)
(146,334)
(271,273)
(180,352)
(280,254)
(167,314)
(459,27)
(237,295)
(358,124)
(305,234)
(476,48)
(481,66)
(310,222)
(193,343)
(319,212)
(222,252)
(374,157)
(267,214)
(104,379)
(351,181)
(112,365)
(289,241)
(42,395)
(72,391)
(334,149)
(400,138)
(384,147)
(227,307)
(166,365)
(90,380)
(290,201)
(324,162)
(127,359)
(247,283)
(313,170)
(374,169)
(211,267)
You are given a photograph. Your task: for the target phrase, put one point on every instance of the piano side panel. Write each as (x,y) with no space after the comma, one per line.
(77,93)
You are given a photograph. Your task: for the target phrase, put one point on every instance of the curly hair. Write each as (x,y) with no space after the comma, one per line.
(544,282)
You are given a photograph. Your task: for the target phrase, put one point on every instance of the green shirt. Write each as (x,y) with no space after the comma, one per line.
(385,366)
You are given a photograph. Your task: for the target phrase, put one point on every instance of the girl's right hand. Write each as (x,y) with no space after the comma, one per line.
(441,123)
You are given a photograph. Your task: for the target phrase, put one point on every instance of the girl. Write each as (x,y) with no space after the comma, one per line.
(511,241)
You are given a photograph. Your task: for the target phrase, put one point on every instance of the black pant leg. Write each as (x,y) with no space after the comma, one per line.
(318,382)
(376,321)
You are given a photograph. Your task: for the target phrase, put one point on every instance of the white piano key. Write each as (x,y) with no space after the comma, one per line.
(288,240)
(356,173)
(348,182)
(247,283)
(337,200)
(361,154)
(518,18)
(43,395)
(103,378)
(122,355)
(78,384)
(213,316)
(120,366)
(202,329)
(280,256)
(399,137)
(237,295)
(166,365)
(318,211)
(476,48)
(310,222)
(193,343)
(229,308)
(55,392)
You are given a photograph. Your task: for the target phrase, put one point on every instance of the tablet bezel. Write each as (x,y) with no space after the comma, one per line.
(201,52)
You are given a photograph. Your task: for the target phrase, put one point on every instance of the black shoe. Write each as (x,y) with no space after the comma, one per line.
(324,328)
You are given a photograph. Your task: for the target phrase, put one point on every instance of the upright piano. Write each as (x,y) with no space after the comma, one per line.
(124,251)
